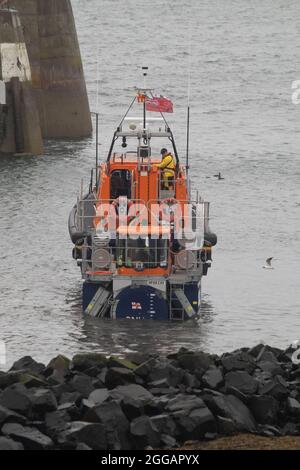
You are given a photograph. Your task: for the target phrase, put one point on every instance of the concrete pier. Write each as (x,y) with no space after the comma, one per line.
(45,94)
(56,66)
(20,130)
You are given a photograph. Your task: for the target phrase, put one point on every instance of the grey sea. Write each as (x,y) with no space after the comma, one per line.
(243,58)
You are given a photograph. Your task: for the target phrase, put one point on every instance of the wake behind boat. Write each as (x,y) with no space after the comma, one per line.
(141,236)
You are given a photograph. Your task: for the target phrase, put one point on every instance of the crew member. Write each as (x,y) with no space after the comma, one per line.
(168,167)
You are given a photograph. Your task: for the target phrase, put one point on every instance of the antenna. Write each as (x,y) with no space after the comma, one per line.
(188,106)
(145,74)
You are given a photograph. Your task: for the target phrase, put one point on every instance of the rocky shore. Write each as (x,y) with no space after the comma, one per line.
(100,403)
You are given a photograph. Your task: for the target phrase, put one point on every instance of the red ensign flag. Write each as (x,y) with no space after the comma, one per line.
(159,104)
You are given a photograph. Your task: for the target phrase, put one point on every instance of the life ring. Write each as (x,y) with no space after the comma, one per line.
(116,204)
(169,202)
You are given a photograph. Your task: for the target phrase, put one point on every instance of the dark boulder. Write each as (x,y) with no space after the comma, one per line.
(165,424)
(29,365)
(118,376)
(70,397)
(194,424)
(82,384)
(16,399)
(56,422)
(239,360)
(225,426)
(277,388)
(123,363)
(132,408)
(264,408)
(9,444)
(83,362)
(293,407)
(43,401)
(273,368)
(144,433)
(91,434)
(58,369)
(213,378)
(9,416)
(184,403)
(171,375)
(242,381)
(99,396)
(137,393)
(228,406)
(192,361)
(115,423)
(31,438)
(143,370)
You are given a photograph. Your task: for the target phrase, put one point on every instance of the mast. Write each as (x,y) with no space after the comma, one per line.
(145,73)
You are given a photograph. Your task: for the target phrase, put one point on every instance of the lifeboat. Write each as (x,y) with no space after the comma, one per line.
(141,240)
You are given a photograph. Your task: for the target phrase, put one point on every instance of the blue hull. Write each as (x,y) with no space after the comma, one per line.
(143,302)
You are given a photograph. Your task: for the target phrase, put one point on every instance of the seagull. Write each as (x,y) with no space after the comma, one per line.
(268,264)
(219,176)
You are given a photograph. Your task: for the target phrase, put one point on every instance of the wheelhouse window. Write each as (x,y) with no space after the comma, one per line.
(143,253)
(120,184)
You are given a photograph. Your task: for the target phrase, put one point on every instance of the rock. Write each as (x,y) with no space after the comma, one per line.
(171,375)
(277,387)
(185,403)
(31,438)
(264,408)
(56,422)
(8,416)
(58,369)
(30,380)
(28,364)
(132,408)
(164,424)
(121,363)
(144,433)
(82,446)
(115,424)
(118,376)
(16,399)
(190,381)
(138,394)
(194,424)
(43,401)
(82,384)
(72,397)
(228,406)
(270,431)
(9,444)
(225,426)
(195,361)
(273,368)
(242,381)
(256,350)
(72,410)
(143,370)
(20,377)
(293,407)
(213,378)
(238,361)
(79,432)
(99,396)
(168,442)
(83,362)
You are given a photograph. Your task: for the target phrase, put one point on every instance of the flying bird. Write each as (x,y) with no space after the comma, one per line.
(268,264)
(219,176)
